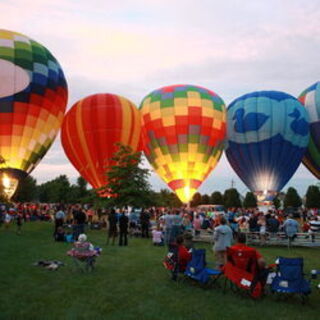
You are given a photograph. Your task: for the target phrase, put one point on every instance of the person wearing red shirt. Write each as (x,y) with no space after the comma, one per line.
(262,268)
(241,245)
(184,256)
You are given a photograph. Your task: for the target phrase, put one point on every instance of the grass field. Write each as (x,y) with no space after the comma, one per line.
(128,283)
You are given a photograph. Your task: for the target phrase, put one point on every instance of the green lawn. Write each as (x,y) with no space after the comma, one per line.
(128,283)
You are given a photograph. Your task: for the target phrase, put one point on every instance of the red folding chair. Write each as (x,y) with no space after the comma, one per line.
(241,270)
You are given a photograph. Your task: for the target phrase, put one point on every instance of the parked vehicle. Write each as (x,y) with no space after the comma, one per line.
(214,209)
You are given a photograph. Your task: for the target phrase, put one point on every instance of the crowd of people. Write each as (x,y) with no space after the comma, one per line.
(165,224)
(166,227)
(238,220)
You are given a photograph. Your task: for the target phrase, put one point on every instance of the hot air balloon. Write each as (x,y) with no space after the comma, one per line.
(183,129)
(310,98)
(92,128)
(33,98)
(268,132)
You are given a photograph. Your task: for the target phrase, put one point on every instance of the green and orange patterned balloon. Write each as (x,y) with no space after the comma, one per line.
(33,98)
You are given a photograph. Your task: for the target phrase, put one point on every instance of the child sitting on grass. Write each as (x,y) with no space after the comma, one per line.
(157,237)
(59,235)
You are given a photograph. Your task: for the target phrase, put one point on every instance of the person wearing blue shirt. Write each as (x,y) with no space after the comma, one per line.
(291,227)
(222,238)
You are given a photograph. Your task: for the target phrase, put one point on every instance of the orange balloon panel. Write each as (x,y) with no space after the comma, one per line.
(91,129)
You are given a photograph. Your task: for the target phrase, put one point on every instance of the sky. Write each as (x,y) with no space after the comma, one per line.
(131,47)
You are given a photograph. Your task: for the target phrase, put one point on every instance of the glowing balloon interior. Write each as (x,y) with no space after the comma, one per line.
(90,131)
(268,133)
(183,130)
(33,98)
(311,100)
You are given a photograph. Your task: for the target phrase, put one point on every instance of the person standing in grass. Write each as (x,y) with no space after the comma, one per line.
(197,225)
(123,227)
(59,219)
(222,238)
(19,219)
(7,220)
(168,227)
(291,227)
(79,221)
(145,223)
(262,228)
(176,229)
(113,231)
(314,227)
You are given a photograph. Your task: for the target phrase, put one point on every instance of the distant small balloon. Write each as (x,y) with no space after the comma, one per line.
(268,132)
(310,98)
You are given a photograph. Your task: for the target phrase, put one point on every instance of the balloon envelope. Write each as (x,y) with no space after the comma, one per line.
(91,129)
(311,100)
(183,129)
(268,132)
(33,98)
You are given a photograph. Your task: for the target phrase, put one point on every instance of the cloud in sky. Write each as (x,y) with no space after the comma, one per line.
(132,47)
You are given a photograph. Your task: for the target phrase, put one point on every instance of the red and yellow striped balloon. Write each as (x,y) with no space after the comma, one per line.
(91,129)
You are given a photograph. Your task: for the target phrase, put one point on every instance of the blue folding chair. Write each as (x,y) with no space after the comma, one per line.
(197,270)
(289,279)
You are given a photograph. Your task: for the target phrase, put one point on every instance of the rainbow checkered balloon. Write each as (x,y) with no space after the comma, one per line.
(33,98)
(183,131)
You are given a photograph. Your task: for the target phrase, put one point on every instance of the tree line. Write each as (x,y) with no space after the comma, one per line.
(61,190)
(128,185)
(231,198)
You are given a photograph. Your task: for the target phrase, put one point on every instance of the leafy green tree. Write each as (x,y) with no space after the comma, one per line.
(162,198)
(292,198)
(313,197)
(56,190)
(127,181)
(27,190)
(196,200)
(82,187)
(205,199)
(43,192)
(175,202)
(165,198)
(231,198)
(216,198)
(276,202)
(74,194)
(250,201)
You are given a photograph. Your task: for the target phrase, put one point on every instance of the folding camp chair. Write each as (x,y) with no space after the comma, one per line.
(289,279)
(171,261)
(83,258)
(241,271)
(197,270)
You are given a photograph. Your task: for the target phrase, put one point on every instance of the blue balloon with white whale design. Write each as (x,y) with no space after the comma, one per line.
(268,133)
